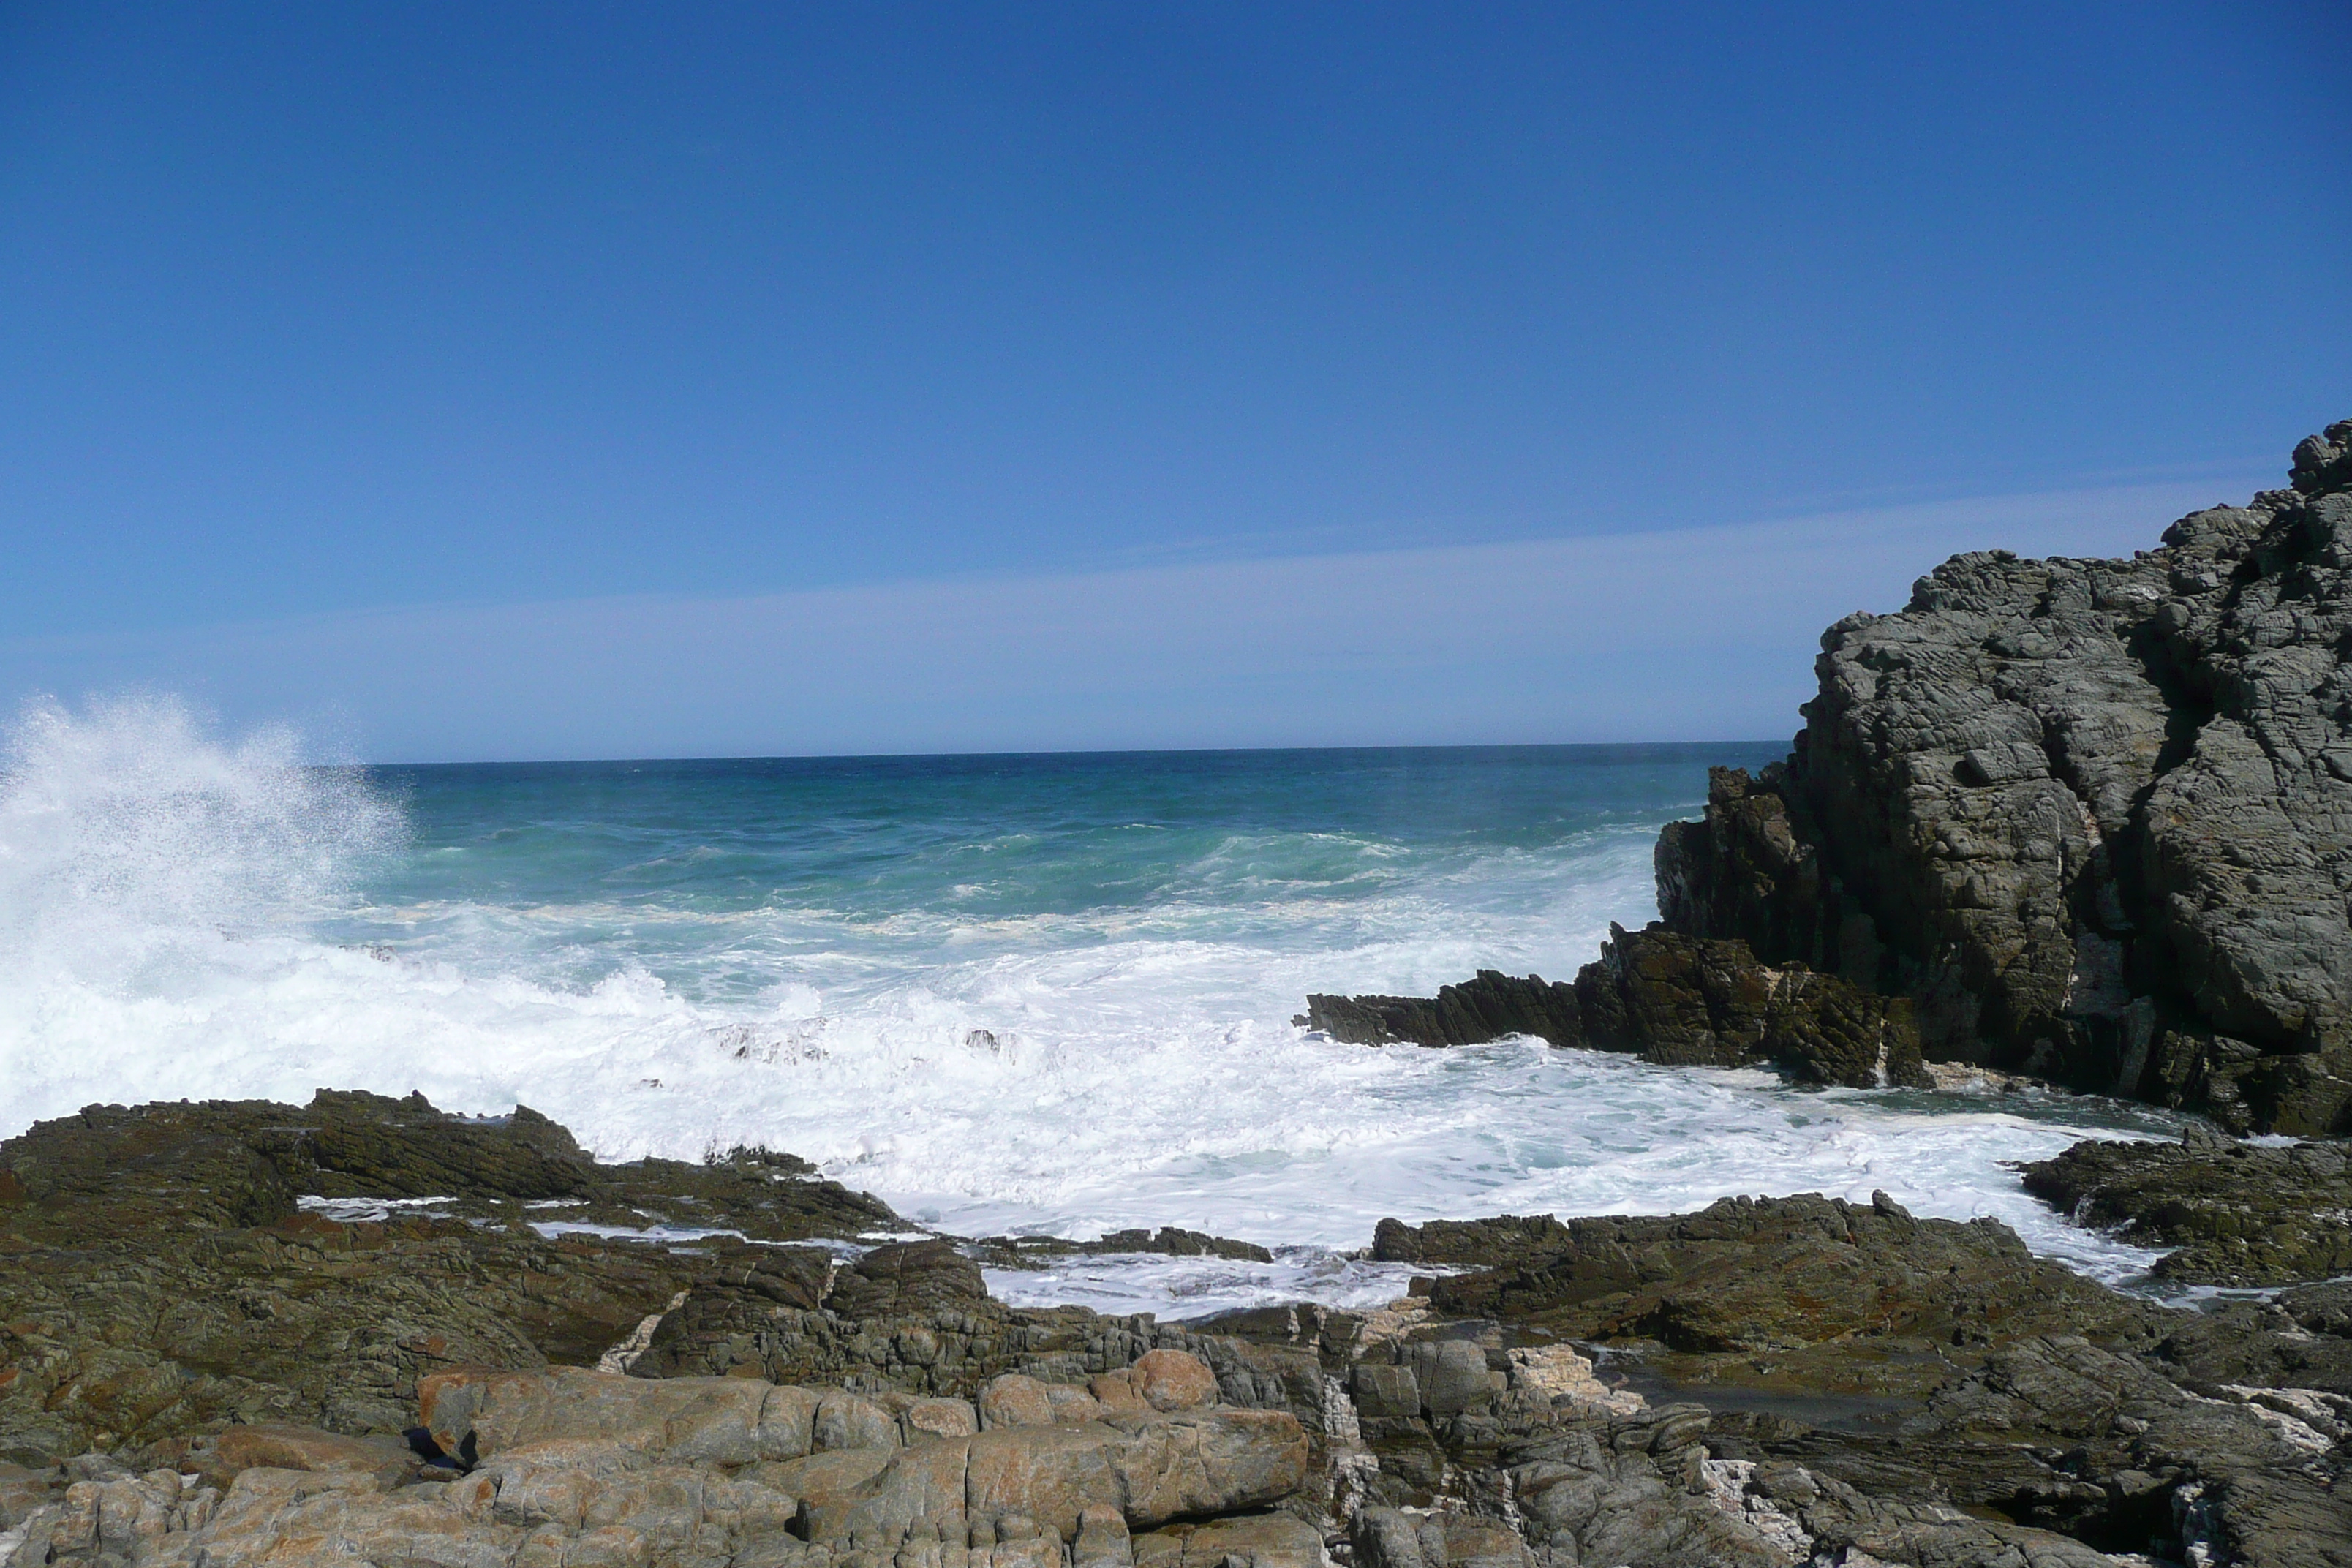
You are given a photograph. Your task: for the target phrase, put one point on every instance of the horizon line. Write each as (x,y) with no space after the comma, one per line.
(1062,752)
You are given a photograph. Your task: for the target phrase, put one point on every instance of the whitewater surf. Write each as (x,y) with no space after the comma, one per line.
(1047,995)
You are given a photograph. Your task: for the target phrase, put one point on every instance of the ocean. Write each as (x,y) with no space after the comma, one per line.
(1025,994)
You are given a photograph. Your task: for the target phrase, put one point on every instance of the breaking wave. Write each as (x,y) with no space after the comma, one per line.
(1002,998)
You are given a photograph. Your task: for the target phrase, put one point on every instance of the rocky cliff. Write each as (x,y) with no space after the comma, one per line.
(2093,818)
(2089,820)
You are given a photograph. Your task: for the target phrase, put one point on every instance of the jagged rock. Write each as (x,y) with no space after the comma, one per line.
(1167,1241)
(1695,1002)
(1669,999)
(2088,815)
(1489,1007)
(2238,1214)
(2081,820)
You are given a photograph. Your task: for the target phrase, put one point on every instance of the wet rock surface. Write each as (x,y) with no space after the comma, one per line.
(2238,1214)
(1767,1381)
(225,1164)
(1667,998)
(1490,1006)
(1167,1241)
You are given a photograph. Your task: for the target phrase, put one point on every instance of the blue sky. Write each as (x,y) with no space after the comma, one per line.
(578,380)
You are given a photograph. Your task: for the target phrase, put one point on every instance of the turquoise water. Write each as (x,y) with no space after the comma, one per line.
(1046,993)
(726,878)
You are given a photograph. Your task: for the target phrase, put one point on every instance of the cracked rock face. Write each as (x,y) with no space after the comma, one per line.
(2094,817)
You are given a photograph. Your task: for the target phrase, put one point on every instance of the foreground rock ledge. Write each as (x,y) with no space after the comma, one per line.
(190,1374)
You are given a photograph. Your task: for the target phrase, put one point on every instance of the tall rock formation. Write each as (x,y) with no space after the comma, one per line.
(2093,819)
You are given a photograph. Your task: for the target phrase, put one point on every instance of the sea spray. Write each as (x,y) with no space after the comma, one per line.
(1041,993)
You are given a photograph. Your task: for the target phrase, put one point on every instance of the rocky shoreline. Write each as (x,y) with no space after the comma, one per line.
(2085,820)
(200,1364)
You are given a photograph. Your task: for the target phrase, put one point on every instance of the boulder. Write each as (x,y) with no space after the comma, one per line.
(686,1420)
(1149,1469)
(1260,1541)
(218,1458)
(1015,1399)
(1171,1380)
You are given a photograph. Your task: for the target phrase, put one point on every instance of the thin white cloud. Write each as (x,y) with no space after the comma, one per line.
(1705,633)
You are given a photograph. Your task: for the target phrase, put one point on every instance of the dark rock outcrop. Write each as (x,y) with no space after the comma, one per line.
(1471,1243)
(1857,1376)
(1687,1002)
(1859,1298)
(2085,820)
(2238,1214)
(1491,1006)
(160,1276)
(112,1171)
(1167,1241)
(2093,818)
(1667,998)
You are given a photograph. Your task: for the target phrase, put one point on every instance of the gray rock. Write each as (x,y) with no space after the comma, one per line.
(2093,819)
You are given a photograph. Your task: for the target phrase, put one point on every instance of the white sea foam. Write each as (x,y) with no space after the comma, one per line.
(161,897)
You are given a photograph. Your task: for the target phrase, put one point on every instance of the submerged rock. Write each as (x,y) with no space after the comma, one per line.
(1167,1241)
